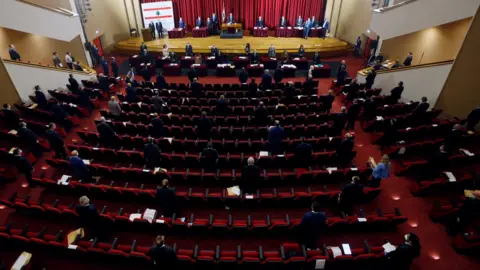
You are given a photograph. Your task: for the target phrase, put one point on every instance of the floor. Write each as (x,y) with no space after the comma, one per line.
(437,252)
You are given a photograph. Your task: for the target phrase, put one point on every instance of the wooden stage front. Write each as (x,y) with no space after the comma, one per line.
(326,47)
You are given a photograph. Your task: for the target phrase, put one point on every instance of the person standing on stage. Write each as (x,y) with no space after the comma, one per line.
(306,28)
(271,51)
(209,26)
(215,21)
(159,27)
(181,24)
(151,25)
(247,49)
(299,22)
(260,23)
(230,20)
(198,22)
(188,49)
(283,22)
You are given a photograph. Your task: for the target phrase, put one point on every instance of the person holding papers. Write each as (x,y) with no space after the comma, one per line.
(401,258)
(230,19)
(23,166)
(88,217)
(312,225)
(303,154)
(276,134)
(188,49)
(380,170)
(299,22)
(181,24)
(56,142)
(283,22)
(79,170)
(198,22)
(272,53)
(151,153)
(163,256)
(209,158)
(260,23)
(166,199)
(351,194)
(250,177)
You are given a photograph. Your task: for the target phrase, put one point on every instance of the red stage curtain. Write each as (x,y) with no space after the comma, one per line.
(247,11)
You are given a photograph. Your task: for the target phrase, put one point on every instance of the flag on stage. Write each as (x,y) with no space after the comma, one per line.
(223,12)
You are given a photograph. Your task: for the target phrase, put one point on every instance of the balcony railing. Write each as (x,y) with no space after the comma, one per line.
(86,70)
(59,10)
(383,7)
(364,72)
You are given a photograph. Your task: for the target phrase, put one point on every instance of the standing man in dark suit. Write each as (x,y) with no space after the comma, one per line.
(163,256)
(58,113)
(340,121)
(40,98)
(341,74)
(309,83)
(289,93)
(250,177)
(222,106)
(369,108)
(56,142)
(358,44)
(396,93)
(182,24)
(370,80)
(73,84)
(151,25)
(131,93)
(143,49)
(267,80)
(204,126)
(23,166)
(254,58)
(351,194)
(316,58)
(106,133)
(352,114)
(14,55)
(283,22)
(327,101)
(209,26)
(473,118)
(408,60)
(114,66)
(192,74)
(422,107)
(79,170)
(230,19)
(104,62)
(30,138)
(243,76)
(159,27)
(276,134)
(303,153)
(272,53)
(278,75)
(157,126)
(312,225)
(196,88)
(10,118)
(188,49)
(261,114)
(252,88)
(103,81)
(88,217)
(151,153)
(260,23)
(215,22)
(160,82)
(198,22)
(209,158)
(158,103)
(344,150)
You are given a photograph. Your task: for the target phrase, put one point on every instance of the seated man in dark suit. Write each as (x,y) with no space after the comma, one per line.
(209,158)
(344,150)
(106,133)
(163,256)
(166,199)
(74,86)
(151,153)
(243,77)
(303,153)
(56,142)
(403,255)
(261,114)
(422,107)
(260,22)
(23,166)
(160,82)
(276,134)
(312,225)
(254,57)
(10,118)
(79,170)
(266,80)
(88,216)
(103,81)
(58,113)
(396,93)
(40,98)
(250,177)
(204,126)
(30,138)
(222,106)
(453,139)
(316,59)
(157,126)
(351,194)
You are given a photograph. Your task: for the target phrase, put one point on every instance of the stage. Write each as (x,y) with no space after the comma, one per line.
(327,47)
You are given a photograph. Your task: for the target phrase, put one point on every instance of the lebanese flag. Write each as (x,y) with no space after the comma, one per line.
(157,13)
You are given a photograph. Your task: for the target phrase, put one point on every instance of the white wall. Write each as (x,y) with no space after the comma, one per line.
(419,15)
(418,82)
(27,18)
(26,77)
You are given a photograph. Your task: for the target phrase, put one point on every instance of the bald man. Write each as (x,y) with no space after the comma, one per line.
(166,199)
(250,176)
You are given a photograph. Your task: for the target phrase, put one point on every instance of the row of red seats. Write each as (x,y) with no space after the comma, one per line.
(43,115)
(119,217)
(442,185)
(223,132)
(38,128)
(18,142)
(318,144)
(439,129)
(454,161)
(196,160)
(468,242)
(412,149)
(402,121)
(288,256)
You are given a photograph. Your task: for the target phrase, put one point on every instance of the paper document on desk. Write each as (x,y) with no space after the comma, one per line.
(134,216)
(235,190)
(336,251)
(149,214)
(331,169)
(319,264)
(263,154)
(389,247)
(346,249)
(64,181)
(379,118)
(86,161)
(13,132)
(33,106)
(450,176)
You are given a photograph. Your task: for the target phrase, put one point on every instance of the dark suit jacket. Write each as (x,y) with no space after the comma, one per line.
(313,223)
(73,83)
(243,77)
(27,135)
(10,118)
(354,111)
(260,23)
(157,124)
(79,169)
(254,58)
(351,193)
(22,164)
(106,132)
(210,154)
(58,112)
(222,107)
(421,108)
(114,66)
(402,256)
(14,55)
(151,152)
(303,151)
(278,75)
(316,59)
(289,92)
(408,61)
(339,121)
(230,19)
(192,73)
(164,257)
(158,103)
(165,197)
(261,114)
(250,178)
(55,140)
(198,23)
(284,24)
(267,81)
(160,83)
(327,100)
(88,214)
(196,89)
(308,84)
(252,89)
(397,92)
(204,126)
(276,135)
(41,99)
(159,27)
(131,94)
(189,50)
(103,81)
(214,52)
(301,52)
(345,148)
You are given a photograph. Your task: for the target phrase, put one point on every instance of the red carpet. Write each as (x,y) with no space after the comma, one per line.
(434,240)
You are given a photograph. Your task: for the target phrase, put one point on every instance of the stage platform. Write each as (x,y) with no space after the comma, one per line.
(327,47)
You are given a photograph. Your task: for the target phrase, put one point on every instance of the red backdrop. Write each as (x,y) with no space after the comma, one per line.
(247,11)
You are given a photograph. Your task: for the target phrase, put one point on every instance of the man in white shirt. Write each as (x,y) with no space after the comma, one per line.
(69,60)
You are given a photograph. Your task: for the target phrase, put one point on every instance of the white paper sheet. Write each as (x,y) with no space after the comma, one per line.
(336,251)
(346,249)
(450,176)
(263,154)
(149,214)
(134,216)
(319,264)
(361,219)
(389,247)
(161,221)
(330,169)
(248,197)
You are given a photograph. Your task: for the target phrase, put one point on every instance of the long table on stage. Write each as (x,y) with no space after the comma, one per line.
(288,71)
(300,63)
(201,69)
(321,71)
(171,70)
(241,61)
(255,70)
(284,32)
(260,32)
(270,63)
(176,33)
(199,32)
(211,61)
(225,70)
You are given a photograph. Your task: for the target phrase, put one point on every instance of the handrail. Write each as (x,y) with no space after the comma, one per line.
(53,9)
(364,72)
(87,71)
(383,9)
